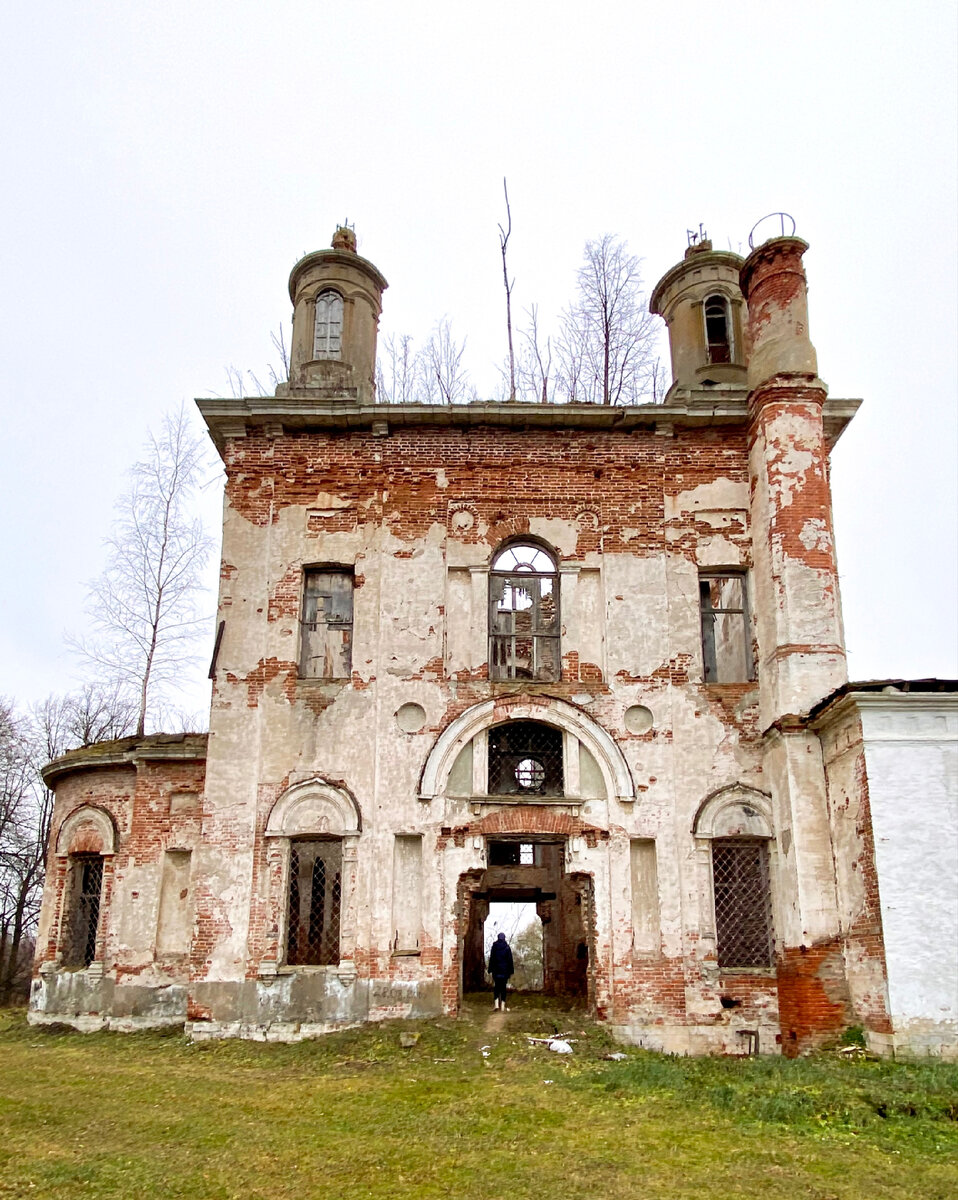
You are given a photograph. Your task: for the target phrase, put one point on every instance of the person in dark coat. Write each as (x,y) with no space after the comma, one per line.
(500,968)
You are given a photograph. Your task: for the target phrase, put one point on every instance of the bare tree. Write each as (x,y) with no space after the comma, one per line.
(504,235)
(144,605)
(397,370)
(607,343)
(277,375)
(443,378)
(535,361)
(25,811)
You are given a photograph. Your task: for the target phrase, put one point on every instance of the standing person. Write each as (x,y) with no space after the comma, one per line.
(500,968)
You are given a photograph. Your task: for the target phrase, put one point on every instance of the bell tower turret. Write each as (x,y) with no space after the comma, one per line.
(337,299)
(701,301)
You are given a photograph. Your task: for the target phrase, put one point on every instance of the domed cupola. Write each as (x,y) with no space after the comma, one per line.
(701,301)
(337,300)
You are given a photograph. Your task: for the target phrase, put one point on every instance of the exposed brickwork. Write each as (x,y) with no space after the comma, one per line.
(813,1001)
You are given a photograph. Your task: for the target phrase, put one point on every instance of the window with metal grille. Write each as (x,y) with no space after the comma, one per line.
(524,614)
(743,918)
(327,625)
(328,330)
(726,643)
(315,901)
(83,915)
(717,332)
(525,758)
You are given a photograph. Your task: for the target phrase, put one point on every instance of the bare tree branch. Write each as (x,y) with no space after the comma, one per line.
(504,235)
(143,606)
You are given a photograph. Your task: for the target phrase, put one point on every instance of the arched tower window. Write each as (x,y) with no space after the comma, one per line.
(718,333)
(524,614)
(328,330)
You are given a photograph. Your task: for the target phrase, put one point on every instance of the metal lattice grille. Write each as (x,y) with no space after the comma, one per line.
(525,758)
(743,923)
(315,900)
(84,918)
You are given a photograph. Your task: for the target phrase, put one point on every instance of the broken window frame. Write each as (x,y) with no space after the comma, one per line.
(81,919)
(328,325)
(733,615)
(518,570)
(322,944)
(742,900)
(337,644)
(717,315)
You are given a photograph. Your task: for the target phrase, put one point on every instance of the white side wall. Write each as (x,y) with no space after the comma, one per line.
(911,752)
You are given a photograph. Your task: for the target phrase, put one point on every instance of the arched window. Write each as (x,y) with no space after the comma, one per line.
(524,614)
(718,330)
(736,831)
(82,909)
(315,827)
(525,759)
(314,901)
(328,334)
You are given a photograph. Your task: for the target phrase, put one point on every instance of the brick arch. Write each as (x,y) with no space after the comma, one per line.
(87,830)
(506,529)
(532,819)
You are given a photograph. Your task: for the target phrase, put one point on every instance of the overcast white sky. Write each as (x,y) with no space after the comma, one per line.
(166,163)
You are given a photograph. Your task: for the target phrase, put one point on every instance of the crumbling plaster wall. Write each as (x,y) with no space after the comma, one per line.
(153,805)
(632,516)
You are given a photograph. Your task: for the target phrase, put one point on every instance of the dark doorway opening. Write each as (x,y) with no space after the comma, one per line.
(531,873)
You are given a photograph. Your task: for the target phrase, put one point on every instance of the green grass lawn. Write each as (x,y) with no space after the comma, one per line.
(354,1115)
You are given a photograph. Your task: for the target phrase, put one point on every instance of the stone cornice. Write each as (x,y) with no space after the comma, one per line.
(126,752)
(701,408)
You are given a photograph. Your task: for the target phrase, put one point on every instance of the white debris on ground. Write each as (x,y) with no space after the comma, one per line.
(616,1056)
(559,1046)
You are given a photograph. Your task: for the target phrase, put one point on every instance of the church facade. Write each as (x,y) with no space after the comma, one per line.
(585,657)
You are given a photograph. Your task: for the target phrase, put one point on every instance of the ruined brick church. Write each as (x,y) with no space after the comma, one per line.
(581,656)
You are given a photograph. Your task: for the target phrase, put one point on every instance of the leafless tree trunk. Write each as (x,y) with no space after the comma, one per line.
(535,368)
(398,387)
(504,235)
(25,811)
(608,334)
(143,606)
(442,374)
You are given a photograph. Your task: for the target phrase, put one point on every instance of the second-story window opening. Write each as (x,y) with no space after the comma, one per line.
(717,330)
(726,644)
(524,614)
(328,333)
(327,625)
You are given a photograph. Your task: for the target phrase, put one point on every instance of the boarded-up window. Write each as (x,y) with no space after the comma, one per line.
(82,915)
(743,918)
(407,894)
(726,644)
(327,625)
(645,896)
(315,899)
(173,926)
(524,615)
(717,332)
(328,332)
